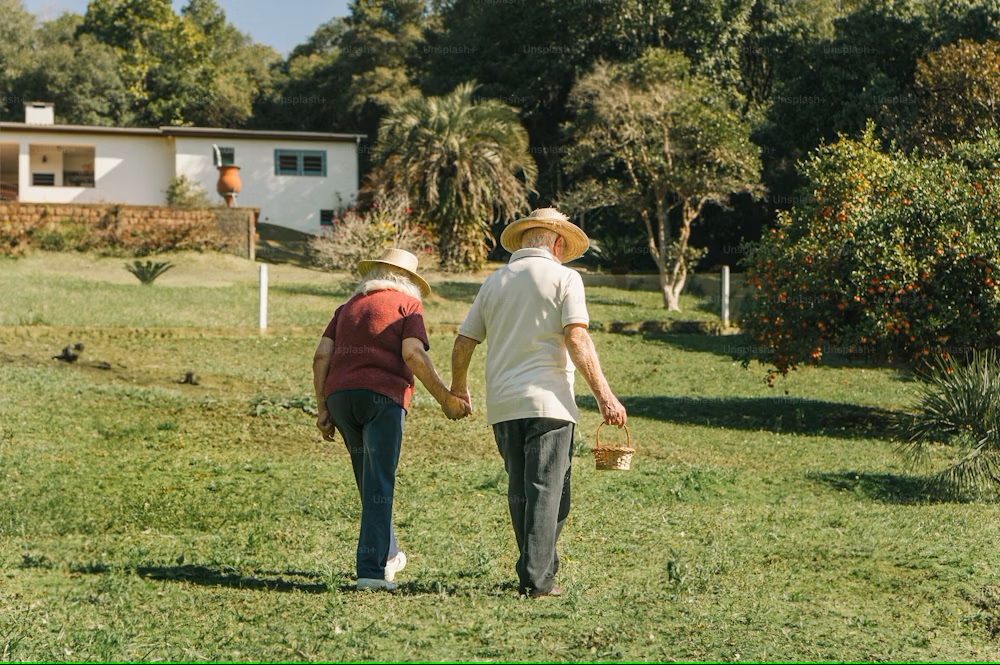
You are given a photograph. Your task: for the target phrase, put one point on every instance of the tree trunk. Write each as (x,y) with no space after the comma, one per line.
(673,265)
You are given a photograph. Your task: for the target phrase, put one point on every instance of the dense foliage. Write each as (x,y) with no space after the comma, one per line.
(885,256)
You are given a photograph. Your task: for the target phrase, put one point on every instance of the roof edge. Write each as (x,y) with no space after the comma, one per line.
(206,132)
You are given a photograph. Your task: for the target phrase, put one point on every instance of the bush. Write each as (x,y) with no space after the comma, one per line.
(363,235)
(886,257)
(958,408)
(185,193)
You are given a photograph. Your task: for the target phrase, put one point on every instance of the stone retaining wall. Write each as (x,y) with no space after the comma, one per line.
(129,226)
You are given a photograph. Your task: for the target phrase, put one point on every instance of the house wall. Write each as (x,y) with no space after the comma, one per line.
(131,169)
(290,201)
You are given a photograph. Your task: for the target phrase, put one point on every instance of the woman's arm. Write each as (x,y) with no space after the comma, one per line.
(420,364)
(321,367)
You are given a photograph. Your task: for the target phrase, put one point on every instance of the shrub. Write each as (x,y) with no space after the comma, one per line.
(185,193)
(886,257)
(361,235)
(958,410)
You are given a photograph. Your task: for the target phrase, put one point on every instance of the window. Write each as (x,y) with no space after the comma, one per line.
(326,217)
(227,155)
(300,162)
(62,165)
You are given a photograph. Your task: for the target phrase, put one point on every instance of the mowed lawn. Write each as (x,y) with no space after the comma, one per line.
(142,518)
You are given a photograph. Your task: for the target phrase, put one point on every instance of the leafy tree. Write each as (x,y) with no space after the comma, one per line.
(345,77)
(378,55)
(653,141)
(886,256)
(957,94)
(180,69)
(529,55)
(16,32)
(232,69)
(308,89)
(78,74)
(833,84)
(463,164)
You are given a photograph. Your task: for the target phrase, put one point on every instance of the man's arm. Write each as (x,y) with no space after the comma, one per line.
(422,366)
(321,366)
(584,355)
(461,357)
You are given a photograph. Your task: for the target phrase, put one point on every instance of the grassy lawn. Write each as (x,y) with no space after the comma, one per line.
(146,519)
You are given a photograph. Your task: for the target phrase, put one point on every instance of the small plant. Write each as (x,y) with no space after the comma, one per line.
(185,193)
(958,408)
(148,272)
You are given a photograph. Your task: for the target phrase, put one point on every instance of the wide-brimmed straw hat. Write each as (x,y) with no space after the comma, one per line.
(576,240)
(400,259)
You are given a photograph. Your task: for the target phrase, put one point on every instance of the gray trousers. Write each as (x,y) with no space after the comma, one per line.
(536,453)
(372,427)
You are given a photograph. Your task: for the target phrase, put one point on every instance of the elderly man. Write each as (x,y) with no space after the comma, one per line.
(534,313)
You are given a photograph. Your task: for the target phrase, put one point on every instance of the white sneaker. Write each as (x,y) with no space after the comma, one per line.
(394,565)
(374,584)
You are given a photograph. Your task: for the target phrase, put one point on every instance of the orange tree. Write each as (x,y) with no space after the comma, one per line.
(885,256)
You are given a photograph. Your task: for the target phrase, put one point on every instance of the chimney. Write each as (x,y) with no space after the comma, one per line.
(39,113)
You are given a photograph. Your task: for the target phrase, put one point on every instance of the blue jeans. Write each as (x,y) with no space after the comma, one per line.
(372,427)
(536,453)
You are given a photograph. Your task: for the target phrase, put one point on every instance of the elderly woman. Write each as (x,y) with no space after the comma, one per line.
(363,373)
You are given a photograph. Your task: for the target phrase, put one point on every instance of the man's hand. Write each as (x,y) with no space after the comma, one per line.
(612,411)
(462,392)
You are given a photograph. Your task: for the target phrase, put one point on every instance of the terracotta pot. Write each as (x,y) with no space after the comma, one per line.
(228,185)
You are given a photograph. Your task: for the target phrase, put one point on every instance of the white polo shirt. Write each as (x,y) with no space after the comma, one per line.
(521,309)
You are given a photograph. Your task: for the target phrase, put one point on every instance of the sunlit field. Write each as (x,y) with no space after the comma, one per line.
(168,497)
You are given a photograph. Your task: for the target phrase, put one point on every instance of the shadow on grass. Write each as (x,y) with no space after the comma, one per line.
(225,576)
(270,580)
(461,291)
(740,347)
(890,487)
(776,414)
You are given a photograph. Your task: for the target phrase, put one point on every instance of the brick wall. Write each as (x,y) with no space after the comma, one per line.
(139,229)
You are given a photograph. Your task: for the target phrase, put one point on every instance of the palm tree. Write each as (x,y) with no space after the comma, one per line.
(463,164)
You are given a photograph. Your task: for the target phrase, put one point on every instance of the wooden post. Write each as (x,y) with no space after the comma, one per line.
(725,297)
(263,297)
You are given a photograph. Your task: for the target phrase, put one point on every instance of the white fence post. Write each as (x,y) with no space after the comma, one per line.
(725,297)
(263,297)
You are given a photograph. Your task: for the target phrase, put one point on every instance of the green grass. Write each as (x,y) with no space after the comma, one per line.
(757,523)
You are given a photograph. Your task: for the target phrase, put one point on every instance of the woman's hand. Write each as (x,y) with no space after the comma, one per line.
(325,424)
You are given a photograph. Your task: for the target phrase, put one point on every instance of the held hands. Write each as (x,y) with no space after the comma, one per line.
(458,404)
(455,407)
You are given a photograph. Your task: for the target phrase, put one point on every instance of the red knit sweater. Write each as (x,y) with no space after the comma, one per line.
(368,332)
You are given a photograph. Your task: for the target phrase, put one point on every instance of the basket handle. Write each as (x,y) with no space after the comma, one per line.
(628,437)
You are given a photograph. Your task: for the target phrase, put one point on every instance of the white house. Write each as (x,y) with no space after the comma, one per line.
(297,179)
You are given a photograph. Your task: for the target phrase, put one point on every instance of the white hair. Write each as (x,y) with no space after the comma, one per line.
(384,277)
(538,237)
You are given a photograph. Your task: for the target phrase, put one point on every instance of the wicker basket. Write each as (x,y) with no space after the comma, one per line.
(613,457)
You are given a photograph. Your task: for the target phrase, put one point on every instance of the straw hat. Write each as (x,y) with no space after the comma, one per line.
(399,259)
(576,240)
